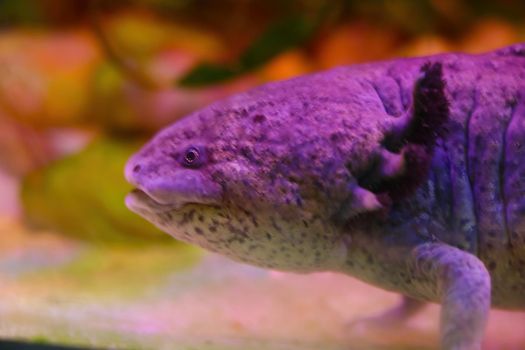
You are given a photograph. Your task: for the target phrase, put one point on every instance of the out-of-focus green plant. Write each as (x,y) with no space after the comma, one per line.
(20,11)
(83,196)
(283,35)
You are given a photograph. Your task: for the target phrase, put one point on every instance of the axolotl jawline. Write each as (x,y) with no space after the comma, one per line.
(408,174)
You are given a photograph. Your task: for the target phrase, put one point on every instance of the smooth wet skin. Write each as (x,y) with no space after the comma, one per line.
(408,174)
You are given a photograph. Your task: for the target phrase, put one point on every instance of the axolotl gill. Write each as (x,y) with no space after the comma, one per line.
(408,174)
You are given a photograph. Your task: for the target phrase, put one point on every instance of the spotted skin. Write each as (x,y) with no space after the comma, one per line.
(408,174)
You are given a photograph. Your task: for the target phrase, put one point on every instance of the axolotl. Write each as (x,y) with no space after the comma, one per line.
(408,174)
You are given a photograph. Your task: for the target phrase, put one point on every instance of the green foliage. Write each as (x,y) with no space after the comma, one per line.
(207,73)
(287,33)
(19,11)
(283,35)
(83,196)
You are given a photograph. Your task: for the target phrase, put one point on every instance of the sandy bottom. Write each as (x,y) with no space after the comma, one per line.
(57,291)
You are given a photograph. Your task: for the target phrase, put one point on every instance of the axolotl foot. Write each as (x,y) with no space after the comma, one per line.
(460,282)
(463,286)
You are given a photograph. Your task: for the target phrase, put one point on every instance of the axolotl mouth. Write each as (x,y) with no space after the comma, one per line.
(138,201)
(141,202)
(169,191)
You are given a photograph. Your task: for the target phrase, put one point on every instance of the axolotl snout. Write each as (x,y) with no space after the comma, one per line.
(408,174)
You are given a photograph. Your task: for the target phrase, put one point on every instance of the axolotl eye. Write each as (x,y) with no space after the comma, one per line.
(193,157)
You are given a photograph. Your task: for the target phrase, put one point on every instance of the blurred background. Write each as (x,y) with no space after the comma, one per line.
(84,83)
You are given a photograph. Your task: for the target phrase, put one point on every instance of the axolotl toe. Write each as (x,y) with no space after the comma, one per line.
(408,174)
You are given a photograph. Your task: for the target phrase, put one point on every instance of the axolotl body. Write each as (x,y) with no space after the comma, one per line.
(408,174)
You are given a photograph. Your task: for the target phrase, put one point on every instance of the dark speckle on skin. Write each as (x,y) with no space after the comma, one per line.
(259,118)
(275,225)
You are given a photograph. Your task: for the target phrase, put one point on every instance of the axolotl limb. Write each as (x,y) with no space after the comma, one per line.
(408,174)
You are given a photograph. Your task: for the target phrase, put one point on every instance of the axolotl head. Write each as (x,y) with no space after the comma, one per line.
(270,176)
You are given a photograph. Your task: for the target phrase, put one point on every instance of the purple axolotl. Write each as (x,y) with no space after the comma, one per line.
(408,174)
